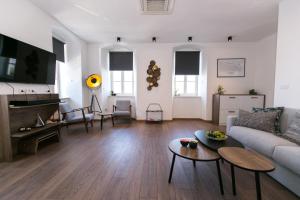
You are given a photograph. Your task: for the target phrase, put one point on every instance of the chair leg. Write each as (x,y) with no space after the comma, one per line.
(92,123)
(86,127)
(112,120)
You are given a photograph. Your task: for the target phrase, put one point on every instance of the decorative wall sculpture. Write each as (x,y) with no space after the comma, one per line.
(153,75)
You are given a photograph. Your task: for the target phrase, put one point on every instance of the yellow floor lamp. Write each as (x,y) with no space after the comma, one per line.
(93,82)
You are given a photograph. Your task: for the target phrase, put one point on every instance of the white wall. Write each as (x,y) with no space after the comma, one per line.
(260,59)
(287,90)
(26,22)
(264,81)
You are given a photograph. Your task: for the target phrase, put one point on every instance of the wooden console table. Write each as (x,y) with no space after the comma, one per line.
(21,110)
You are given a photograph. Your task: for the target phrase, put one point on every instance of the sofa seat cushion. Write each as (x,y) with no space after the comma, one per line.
(260,141)
(289,157)
(79,118)
(121,113)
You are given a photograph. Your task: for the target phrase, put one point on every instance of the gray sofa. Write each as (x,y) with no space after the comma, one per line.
(285,154)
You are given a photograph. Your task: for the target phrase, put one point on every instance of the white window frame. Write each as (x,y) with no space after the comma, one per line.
(196,93)
(122,83)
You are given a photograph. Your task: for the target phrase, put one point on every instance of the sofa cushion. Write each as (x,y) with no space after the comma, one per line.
(260,141)
(258,120)
(278,111)
(288,156)
(293,132)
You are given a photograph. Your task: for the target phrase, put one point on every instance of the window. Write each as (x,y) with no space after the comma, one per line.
(121,69)
(59,48)
(186,73)
(122,82)
(186,85)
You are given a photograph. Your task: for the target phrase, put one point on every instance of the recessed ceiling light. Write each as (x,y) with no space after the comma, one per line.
(86,10)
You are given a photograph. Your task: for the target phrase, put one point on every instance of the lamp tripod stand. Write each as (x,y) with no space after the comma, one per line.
(93,100)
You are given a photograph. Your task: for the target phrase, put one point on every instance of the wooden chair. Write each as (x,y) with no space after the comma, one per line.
(122,109)
(70,116)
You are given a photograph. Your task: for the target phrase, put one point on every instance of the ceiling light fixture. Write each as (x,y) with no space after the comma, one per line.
(190,39)
(118,39)
(153,39)
(86,10)
(229,39)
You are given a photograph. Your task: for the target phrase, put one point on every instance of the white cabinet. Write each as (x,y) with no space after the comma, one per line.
(226,105)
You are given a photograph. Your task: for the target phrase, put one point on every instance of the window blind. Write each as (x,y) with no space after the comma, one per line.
(187,62)
(120,61)
(59,49)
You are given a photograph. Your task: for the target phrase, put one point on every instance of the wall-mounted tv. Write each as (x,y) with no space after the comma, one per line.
(24,63)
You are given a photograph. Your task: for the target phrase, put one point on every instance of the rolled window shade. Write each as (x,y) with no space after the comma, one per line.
(187,62)
(59,49)
(120,61)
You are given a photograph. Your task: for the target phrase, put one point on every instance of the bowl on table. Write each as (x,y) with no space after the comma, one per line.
(185,141)
(216,135)
(193,144)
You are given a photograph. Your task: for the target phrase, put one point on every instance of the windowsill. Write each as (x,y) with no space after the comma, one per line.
(187,96)
(120,95)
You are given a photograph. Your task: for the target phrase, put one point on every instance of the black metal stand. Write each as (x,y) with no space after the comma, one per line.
(92,107)
(257,182)
(194,163)
(172,166)
(151,110)
(233,179)
(220,177)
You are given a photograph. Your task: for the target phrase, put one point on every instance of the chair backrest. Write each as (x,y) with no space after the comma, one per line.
(65,107)
(123,105)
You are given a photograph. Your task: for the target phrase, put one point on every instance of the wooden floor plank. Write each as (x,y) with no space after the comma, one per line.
(130,161)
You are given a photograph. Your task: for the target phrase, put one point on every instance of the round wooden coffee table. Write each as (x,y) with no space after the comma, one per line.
(201,153)
(247,160)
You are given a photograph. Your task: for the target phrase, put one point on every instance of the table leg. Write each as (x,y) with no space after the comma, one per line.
(220,177)
(112,120)
(233,179)
(102,121)
(257,181)
(172,166)
(194,163)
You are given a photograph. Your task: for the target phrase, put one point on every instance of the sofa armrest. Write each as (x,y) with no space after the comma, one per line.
(229,123)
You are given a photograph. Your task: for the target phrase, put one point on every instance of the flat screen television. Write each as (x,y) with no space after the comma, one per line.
(24,63)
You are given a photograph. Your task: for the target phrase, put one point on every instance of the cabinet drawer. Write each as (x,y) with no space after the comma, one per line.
(225,113)
(249,102)
(229,102)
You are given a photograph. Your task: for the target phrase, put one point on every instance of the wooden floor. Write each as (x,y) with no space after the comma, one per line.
(129,161)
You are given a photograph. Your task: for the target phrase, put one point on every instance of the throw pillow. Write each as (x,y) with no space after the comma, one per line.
(278,110)
(293,131)
(263,121)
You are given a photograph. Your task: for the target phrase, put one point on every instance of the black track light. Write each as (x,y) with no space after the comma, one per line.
(229,39)
(190,39)
(153,39)
(118,39)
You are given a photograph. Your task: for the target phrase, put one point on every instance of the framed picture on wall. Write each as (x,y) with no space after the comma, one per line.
(231,67)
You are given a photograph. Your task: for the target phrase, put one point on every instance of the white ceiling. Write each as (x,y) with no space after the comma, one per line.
(205,20)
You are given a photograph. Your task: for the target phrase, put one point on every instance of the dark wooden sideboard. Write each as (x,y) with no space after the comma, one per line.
(20,110)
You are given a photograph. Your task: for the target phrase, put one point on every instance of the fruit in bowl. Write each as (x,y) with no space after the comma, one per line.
(184,141)
(216,135)
(193,144)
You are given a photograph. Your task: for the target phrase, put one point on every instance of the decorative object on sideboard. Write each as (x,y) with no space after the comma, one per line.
(231,67)
(220,89)
(153,75)
(253,92)
(39,121)
(112,93)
